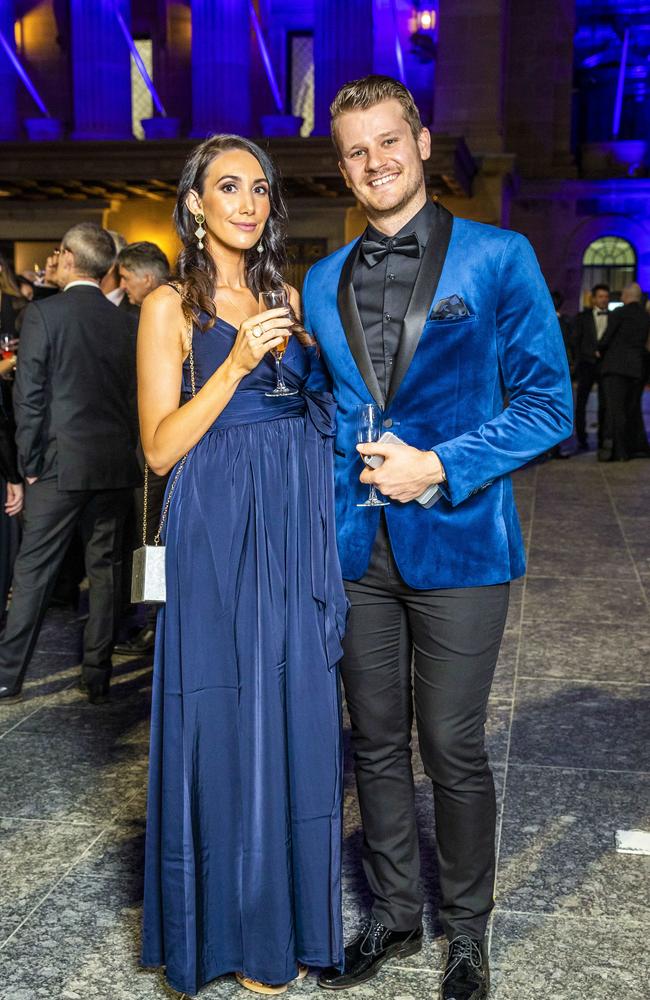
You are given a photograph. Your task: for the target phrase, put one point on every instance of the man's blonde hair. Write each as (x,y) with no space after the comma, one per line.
(359,95)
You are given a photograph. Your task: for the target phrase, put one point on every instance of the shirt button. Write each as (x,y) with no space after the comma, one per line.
(387,317)
(391,277)
(388,422)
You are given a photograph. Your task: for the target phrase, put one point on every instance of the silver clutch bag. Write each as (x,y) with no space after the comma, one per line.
(148,580)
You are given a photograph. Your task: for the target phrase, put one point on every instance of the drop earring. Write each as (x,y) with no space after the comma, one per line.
(260,247)
(199,218)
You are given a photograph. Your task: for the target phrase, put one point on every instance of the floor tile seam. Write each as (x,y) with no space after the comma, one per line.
(115,820)
(619,918)
(52,889)
(575,577)
(40,708)
(55,823)
(585,680)
(62,821)
(577,621)
(618,515)
(501,811)
(579,770)
(20,721)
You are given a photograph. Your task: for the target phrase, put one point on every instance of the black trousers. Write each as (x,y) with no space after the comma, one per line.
(623,435)
(49,521)
(588,376)
(452,637)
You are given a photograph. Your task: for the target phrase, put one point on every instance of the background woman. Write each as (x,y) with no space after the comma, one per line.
(244,811)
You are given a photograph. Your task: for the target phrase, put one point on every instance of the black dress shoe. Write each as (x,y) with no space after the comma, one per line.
(140,644)
(467,973)
(367,953)
(8,696)
(98,694)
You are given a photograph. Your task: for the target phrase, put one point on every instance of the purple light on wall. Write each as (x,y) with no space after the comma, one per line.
(620,86)
(137,58)
(22,73)
(399,55)
(266,59)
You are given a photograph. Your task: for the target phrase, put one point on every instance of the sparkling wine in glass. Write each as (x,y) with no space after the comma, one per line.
(369,428)
(275,299)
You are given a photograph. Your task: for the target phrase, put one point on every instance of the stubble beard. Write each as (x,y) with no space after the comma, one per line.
(377,215)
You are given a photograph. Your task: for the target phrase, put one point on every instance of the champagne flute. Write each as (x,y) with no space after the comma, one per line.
(274,299)
(369,428)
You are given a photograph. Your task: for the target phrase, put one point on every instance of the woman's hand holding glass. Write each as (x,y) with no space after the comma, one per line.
(258,335)
(272,299)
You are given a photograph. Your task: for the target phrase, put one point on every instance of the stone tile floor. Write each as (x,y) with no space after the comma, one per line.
(568,733)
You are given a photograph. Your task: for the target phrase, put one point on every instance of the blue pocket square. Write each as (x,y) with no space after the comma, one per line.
(452,307)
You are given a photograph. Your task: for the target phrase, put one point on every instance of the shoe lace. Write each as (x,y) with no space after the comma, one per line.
(463,949)
(374,934)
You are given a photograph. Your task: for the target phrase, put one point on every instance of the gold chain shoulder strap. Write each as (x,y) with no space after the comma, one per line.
(145,505)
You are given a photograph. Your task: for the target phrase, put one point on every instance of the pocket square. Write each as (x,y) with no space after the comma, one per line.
(452,307)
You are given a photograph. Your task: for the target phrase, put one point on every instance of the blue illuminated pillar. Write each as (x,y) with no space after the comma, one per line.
(101,71)
(221,67)
(343,50)
(9,123)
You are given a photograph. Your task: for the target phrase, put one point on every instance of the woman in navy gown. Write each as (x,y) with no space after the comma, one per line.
(242,871)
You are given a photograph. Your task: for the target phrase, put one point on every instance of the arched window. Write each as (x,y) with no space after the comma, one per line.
(610,260)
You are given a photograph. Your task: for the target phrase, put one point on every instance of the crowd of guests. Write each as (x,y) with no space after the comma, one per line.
(85,516)
(610,350)
(73,468)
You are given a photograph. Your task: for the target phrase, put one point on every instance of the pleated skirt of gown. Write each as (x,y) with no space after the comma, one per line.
(243,842)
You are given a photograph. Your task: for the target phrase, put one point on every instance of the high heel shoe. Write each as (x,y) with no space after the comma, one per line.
(256,987)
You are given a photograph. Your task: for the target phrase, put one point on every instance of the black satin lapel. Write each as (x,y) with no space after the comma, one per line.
(351,321)
(424,291)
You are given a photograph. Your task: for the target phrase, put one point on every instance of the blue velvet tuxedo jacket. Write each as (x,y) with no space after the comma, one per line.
(488,392)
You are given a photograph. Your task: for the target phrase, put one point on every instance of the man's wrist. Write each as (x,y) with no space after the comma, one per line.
(435,469)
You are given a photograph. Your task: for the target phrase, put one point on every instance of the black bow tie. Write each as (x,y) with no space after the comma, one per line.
(602,312)
(373,251)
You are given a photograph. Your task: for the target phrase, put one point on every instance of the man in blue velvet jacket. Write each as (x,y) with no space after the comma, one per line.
(439,321)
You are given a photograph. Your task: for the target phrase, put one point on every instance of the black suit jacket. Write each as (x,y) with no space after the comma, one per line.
(75,393)
(8,465)
(585,341)
(624,344)
(128,307)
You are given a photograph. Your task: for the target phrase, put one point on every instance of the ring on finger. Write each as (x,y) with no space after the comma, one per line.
(258,330)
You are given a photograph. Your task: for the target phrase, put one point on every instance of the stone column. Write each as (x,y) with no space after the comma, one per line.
(101,71)
(9,123)
(539,86)
(469,72)
(221,67)
(343,50)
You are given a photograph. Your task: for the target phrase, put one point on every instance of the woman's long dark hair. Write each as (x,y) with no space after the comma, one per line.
(196,268)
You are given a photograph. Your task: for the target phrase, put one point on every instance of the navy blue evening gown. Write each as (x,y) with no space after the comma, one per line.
(242,869)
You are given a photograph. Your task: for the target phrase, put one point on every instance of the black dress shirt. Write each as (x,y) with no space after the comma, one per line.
(383,293)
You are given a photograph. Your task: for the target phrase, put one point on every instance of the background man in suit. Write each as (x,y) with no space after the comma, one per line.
(434,318)
(590,328)
(142,268)
(111,285)
(622,372)
(76,438)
